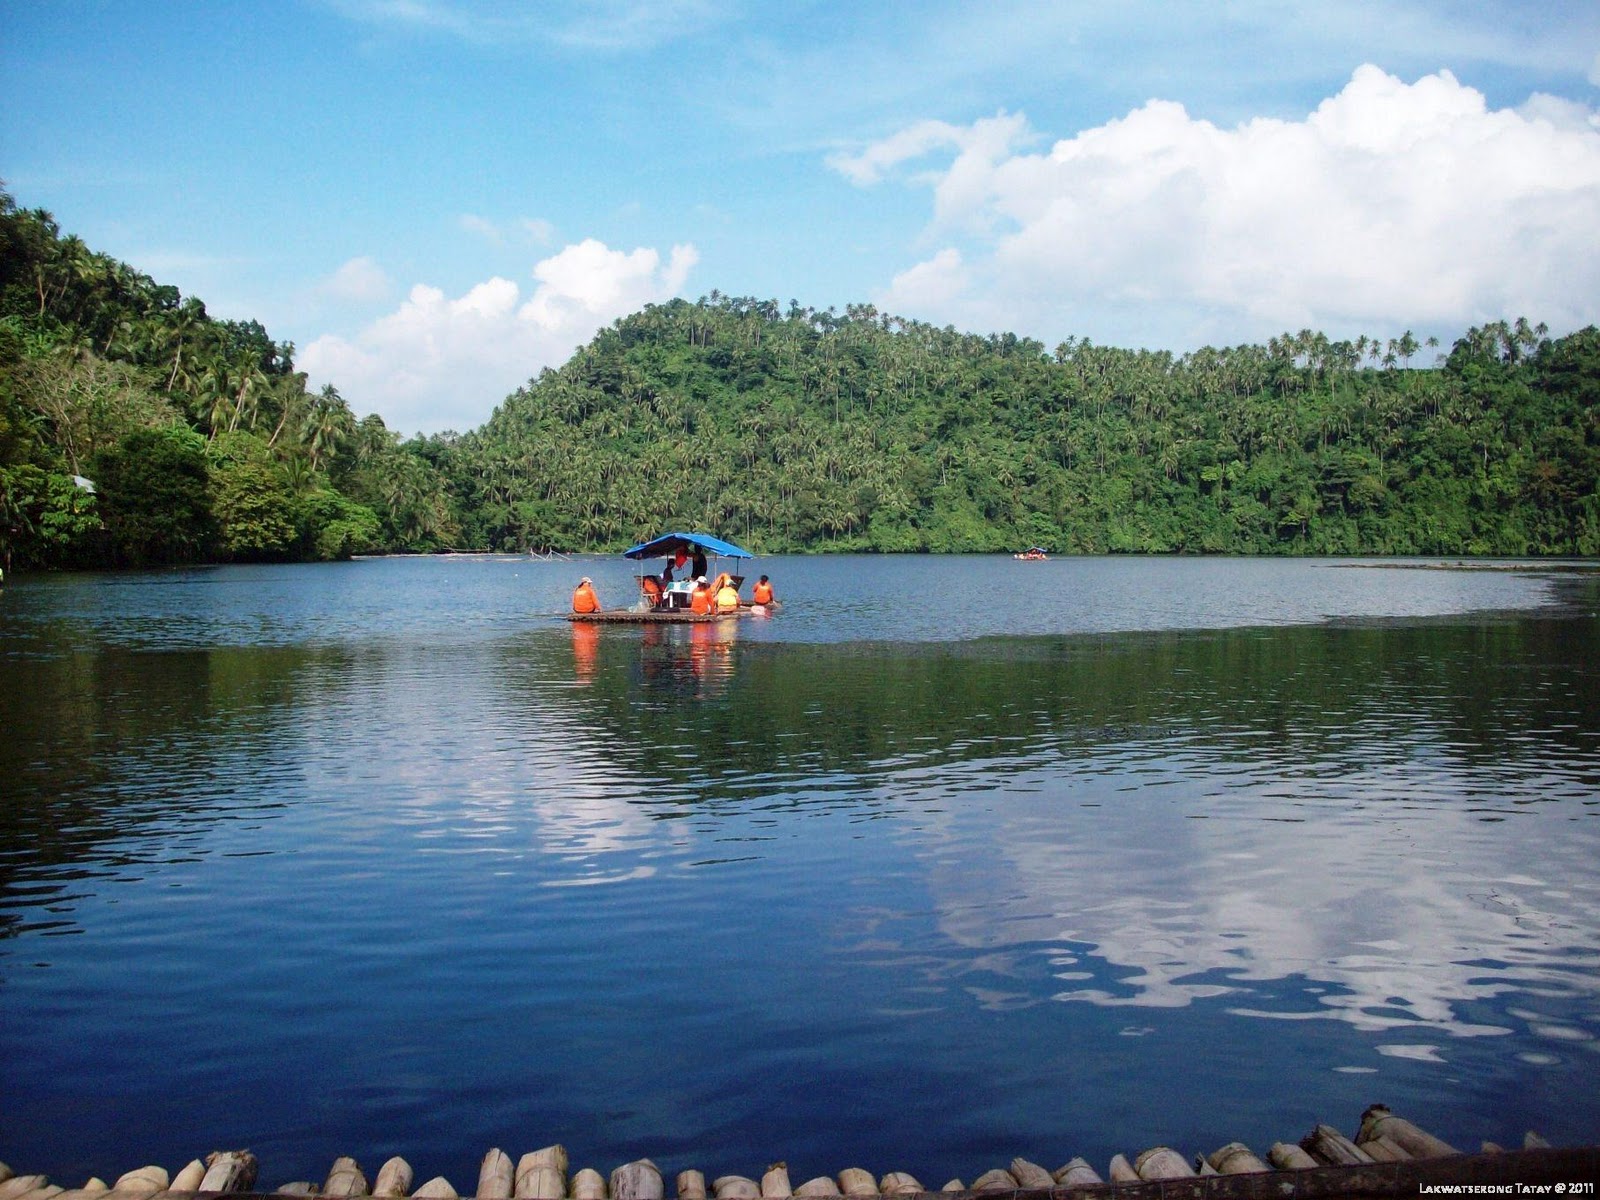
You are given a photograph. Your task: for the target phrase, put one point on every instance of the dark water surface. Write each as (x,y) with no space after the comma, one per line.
(952,860)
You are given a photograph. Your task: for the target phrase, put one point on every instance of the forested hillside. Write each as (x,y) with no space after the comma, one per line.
(802,430)
(197,437)
(787,429)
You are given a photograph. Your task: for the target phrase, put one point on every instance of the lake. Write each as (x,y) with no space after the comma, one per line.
(954,859)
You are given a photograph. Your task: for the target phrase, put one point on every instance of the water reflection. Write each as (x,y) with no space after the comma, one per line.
(1025,872)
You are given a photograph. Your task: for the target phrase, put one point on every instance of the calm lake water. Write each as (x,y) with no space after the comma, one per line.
(953,859)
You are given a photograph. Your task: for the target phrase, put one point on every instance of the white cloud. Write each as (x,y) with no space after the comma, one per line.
(437,363)
(1391,205)
(360,281)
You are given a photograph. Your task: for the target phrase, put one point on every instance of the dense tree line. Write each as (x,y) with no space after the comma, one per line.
(136,429)
(791,429)
(802,430)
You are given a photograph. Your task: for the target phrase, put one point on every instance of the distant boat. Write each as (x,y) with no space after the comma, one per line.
(1033,554)
(670,604)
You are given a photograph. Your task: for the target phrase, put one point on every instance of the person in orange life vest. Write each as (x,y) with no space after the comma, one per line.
(727,596)
(583,598)
(700,598)
(762,592)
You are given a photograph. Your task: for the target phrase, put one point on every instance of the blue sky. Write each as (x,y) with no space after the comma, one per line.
(433,199)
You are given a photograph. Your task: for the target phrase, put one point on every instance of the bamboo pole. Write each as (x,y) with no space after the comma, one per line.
(735,1187)
(1121,1170)
(229,1171)
(691,1185)
(345,1179)
(437,1188)
(91,1189)
(899,1183)
(17,1185)
(300,1187)
(1384,1150)
(1327,1145)
(1236,1159)
(1286,1156)
(495,1176)
(853,1181)
(1077,1173)
(588,1184)
(997,1180)
(1378,1122)
(639,1180)
(775,1183)
(542,1174)
(394,1178)
(1532,1141)
(1162,1162)
(143,1182)
(48,1192)
(5,1172)
(822,1185)
(188,1179)
(1031,1174)
(954,1185)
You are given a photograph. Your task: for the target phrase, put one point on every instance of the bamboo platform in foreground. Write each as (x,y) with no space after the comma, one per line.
(1389,1157)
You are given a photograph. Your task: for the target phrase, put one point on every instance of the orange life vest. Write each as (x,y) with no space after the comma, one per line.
(762,594)
(584,600)
(700,601)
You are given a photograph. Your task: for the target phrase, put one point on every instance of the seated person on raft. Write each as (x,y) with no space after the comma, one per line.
(584,599)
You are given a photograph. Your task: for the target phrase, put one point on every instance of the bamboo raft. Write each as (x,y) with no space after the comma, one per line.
(1388,1157)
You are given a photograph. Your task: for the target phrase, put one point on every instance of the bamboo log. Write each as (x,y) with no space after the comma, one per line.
(229,1171)
(1286,1156)
(954,1185)
(1378,1122)
(1202,1167)
(1327,1145)
(1383,1150)
(144,1181)
(5,1172)
(775,1183)
(495,1176)
(188,1179)
(1492,1148)
(691,1185)
(822,1185)
(588,1184)
(1236,1159)
(1121,1170)
(538,1180)
(300,1187)
(1031,1174)
(899,1183)
(394,1178)
(437,1188)
(1077,1173)
(1532,1141)
(48,1192)
(737,1187)
(345,1179)
(19,1184)
(997,1180)
(853,1181)
(638,1180)
(1162,1162)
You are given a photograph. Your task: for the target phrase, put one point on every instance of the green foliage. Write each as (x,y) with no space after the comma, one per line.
(156,499)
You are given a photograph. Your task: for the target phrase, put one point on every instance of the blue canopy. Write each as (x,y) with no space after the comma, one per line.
(668,545)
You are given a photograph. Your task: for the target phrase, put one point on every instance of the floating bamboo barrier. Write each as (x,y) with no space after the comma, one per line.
(1390,1156)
